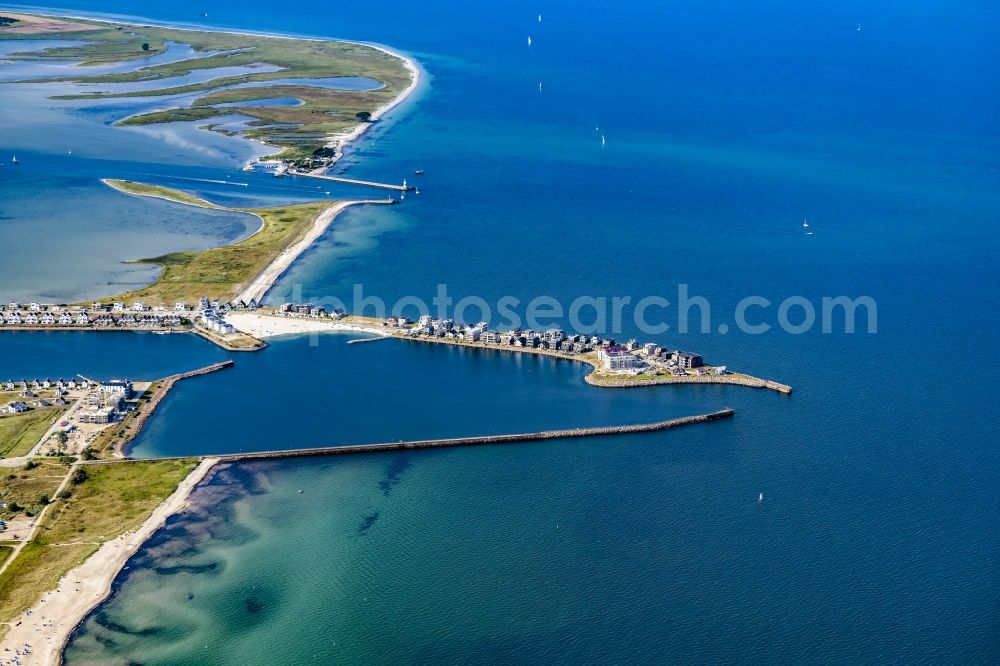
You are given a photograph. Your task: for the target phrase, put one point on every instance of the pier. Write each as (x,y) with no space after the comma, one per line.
(356,181)
(146,409)
(481,440)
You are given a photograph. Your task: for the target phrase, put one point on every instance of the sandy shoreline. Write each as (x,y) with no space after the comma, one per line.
(269,326)
(258,287)
(57,614)
(339,141)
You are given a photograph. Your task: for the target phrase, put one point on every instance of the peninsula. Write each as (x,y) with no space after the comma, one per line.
(307,97)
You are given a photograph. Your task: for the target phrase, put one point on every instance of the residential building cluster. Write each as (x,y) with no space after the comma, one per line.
(106,403)
(629,358)
(553,338)
(309,310)
(30,389)
(97,314)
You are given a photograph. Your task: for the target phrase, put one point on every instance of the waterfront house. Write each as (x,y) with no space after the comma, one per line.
(117,307)
(31,318)
(616,357)
(48,319)
(490,337)
(203,303)
(34,307)
(554,335)
(472,335)
(16,407)
(13,305)
(180,306)
(65,318)
(139,306)
(116,388)
(82,319)
(688,360)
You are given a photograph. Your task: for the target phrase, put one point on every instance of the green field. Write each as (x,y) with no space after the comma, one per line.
(220,272)
(113,499)
(20,432)
(24,487)
(323,113)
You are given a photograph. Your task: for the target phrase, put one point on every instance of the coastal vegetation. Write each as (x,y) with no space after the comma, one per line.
(219,272)
(298,130)
(22,487)
(159,192)
(104,502)
(20,432)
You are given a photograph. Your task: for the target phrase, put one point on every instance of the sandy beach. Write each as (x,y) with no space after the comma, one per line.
(47,626)
(260,285)
(338,141)
(270,326)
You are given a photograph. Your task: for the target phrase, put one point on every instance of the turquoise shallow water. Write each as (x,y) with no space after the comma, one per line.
(725,125)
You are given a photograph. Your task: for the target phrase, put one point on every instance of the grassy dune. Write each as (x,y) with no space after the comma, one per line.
(112,500)
(24,487)
(158,191)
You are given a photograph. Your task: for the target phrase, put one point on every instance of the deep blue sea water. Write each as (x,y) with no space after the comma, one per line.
(725,125)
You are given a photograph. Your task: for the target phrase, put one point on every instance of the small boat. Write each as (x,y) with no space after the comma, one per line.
(529,40)
(760,497)
(15,160)
(859,27)
(418,172)
(539,86)
(805,227)
(603,140)
(539,18)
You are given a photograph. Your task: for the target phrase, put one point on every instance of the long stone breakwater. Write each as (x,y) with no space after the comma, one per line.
(738,380)
(146,410)
(485,439)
